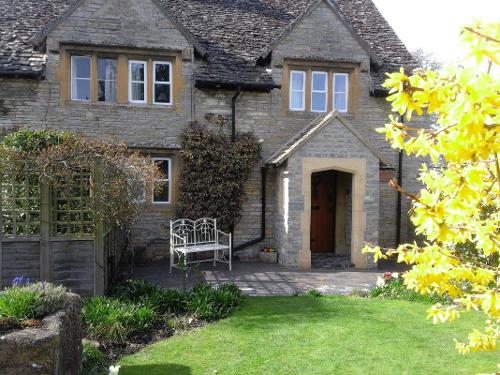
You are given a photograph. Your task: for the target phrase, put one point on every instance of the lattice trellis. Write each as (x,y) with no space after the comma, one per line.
(72,213)
(69,205)
(20,205)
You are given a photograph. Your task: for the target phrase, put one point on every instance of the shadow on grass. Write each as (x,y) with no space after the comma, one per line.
(156,369)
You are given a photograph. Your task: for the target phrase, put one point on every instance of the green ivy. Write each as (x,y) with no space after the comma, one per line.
(215,172)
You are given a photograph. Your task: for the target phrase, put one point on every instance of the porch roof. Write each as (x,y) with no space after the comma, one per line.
(295,142)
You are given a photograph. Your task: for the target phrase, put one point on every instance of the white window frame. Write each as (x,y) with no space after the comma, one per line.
(303,73)
(73,79)
(145,64)
(162,82)
(325,74)
(163,180)
(346,75)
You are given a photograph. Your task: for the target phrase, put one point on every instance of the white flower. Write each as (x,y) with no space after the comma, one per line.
(395,275)
(380,281)
(113,370)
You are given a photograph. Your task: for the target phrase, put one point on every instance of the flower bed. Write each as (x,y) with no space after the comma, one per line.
(138,313)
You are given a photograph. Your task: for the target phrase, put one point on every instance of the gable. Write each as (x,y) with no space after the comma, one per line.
(329,127)
(131,23)
(324,35)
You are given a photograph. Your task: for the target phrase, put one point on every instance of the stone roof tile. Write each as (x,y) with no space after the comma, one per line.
(234,34)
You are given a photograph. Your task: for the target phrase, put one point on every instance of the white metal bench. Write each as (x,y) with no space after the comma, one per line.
(190,237)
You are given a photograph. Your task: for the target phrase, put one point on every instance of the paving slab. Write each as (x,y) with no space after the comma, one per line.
(261,279)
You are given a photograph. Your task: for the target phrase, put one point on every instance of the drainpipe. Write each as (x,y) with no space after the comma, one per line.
(262,188)
(233,114)
(398,204)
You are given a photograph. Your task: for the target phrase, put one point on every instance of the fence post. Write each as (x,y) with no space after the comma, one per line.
(99,259)
(45,250)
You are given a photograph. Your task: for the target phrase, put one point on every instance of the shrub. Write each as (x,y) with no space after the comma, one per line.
(394,288)
(164,301)
(210,303)
(111,319)
(18,303)
(313,293)
(94,360)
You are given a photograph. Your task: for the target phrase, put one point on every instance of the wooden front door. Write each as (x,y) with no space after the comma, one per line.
(323,200)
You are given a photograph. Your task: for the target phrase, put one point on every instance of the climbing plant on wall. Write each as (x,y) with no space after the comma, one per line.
(214,174)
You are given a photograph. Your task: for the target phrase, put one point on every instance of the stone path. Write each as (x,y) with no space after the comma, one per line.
(261,279)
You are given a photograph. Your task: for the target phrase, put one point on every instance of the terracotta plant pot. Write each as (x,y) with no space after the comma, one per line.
(266,257)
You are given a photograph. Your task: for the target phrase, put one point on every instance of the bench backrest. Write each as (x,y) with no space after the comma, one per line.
(195,232)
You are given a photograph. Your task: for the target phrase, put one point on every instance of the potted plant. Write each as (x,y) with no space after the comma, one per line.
(268,254)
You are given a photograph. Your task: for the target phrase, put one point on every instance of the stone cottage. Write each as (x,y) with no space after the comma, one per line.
(304,76)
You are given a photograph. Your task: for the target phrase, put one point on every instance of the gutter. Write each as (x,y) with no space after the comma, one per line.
(233,85)
(20,74)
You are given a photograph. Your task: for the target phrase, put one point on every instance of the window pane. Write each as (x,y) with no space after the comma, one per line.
(106,86)
(163,194)
(81,67)
(297,81)
(297,100)
(80,89)
(318,101)
(106,91)
(162,72)
(137,71)
(340,102)
(319,82)
(162,93)
(137,91)
(163,167)
(106,69)
(340,83)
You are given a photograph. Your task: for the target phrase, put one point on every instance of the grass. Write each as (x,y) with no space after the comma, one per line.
(311,335)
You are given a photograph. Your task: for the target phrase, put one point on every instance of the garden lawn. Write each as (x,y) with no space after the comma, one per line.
(317,335)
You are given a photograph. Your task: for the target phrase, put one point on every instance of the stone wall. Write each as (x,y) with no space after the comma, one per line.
(55,348)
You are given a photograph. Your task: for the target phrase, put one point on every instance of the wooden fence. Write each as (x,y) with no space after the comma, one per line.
(49,233)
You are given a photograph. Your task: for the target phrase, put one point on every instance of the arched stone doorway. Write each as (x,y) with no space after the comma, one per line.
(331,219)
(355,168)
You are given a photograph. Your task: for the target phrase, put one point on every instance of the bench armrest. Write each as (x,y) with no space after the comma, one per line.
(178,240)
(223,233)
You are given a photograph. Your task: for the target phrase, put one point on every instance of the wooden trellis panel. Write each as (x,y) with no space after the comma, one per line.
(20,206)
(48,232)
(71,207)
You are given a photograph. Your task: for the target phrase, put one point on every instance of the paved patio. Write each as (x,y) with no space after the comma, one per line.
(261,279)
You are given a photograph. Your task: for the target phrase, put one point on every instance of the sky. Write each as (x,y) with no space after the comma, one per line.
(434,25)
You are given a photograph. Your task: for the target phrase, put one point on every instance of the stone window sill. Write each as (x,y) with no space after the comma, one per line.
(309,114)
(101,105)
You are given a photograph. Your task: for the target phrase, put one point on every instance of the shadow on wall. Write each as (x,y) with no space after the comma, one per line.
(158,369)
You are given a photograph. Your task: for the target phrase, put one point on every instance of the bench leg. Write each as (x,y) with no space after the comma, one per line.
(171,260)
(216,252)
